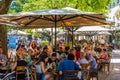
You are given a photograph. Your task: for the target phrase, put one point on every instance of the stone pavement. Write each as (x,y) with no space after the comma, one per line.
(114,73)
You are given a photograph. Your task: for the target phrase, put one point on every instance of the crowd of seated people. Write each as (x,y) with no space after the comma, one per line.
(63,58)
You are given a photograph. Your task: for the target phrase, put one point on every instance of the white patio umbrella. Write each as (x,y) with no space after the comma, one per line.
(92,29)
(66,17)
(104,33)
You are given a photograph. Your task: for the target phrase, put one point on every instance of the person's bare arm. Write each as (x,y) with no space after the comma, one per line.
(79,65)
(60,72)
(43,67)
(1,62)
(13,66)
(31,48)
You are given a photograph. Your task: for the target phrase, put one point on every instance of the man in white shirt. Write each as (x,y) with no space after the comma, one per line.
(102,41)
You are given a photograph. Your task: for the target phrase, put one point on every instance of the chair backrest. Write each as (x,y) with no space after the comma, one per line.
(20,68)
(70,75)
(85,66)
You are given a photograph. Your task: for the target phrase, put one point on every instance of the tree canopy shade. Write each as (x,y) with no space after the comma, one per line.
(100,6)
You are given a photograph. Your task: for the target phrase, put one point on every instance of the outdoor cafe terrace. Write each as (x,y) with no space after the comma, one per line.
(84,60)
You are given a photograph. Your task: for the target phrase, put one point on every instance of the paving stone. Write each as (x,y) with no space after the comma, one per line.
(114,73)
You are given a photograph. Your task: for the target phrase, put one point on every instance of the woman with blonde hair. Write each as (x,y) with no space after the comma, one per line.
(20,62)
(92,51)
(82,59)
(49,49)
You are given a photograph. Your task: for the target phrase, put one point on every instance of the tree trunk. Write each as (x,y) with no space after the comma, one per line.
(4,7)
(3,38)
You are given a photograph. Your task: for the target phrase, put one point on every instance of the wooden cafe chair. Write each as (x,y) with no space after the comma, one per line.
(70,72)
(94,74)
(33,74)
(19,70)
(106,66)
(87,68)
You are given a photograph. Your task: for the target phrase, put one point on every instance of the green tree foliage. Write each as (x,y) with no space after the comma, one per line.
(33,32)
(100,6)
(17,6)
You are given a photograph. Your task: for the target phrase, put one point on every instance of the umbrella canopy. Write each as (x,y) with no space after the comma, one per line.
(88,33)
(47,18)
(68,17)
(92,29)
(63,32)
(17,33)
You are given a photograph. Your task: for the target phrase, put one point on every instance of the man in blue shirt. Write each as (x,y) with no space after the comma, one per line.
(68,64)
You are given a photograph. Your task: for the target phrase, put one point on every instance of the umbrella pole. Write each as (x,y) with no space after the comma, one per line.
(52,35)
(68,37)
(55,33)
(72,37)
